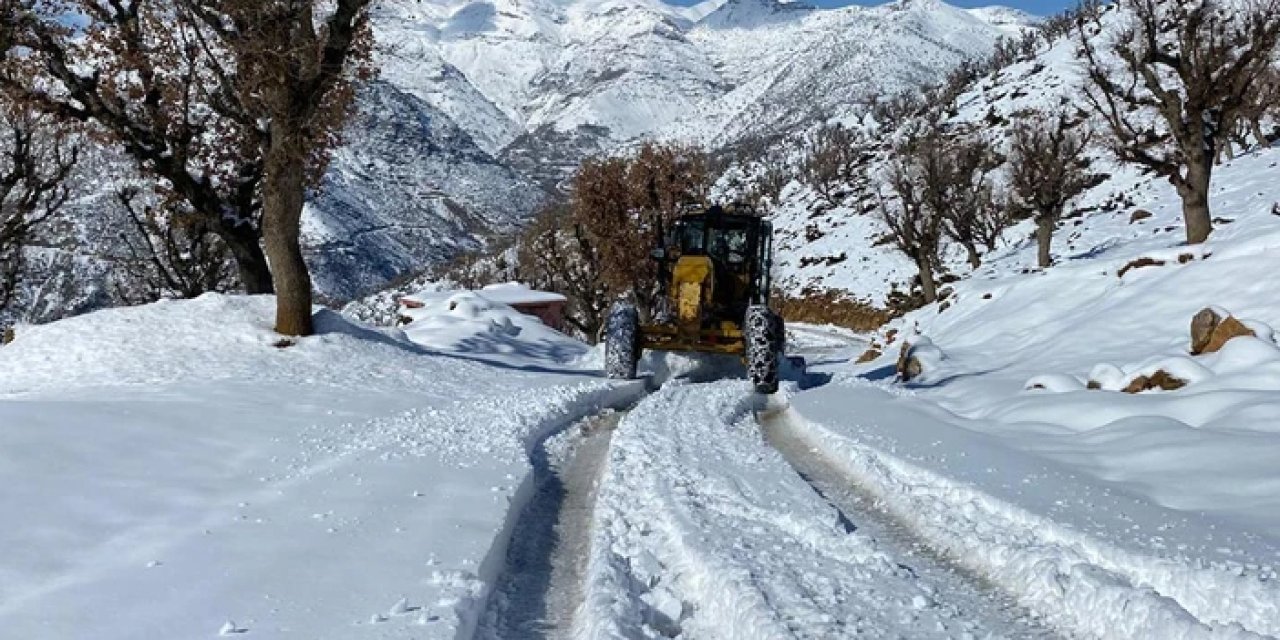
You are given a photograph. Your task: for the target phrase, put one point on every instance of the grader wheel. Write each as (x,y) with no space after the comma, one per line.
(622,342)
(764,335)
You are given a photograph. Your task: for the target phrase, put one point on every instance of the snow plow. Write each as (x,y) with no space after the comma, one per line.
(714,285)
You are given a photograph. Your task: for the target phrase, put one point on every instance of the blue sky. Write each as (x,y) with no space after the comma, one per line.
(1038,7)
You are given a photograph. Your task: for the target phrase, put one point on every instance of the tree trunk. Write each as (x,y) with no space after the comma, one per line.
(1226,152)
(927,284)
(1256,126)
(1194,191)
(1044,238)
(975,260)
(251,263)
(284,191)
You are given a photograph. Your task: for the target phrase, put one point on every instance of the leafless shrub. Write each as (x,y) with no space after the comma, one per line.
(558,254)
(36,158)
(171,252)
(834,155)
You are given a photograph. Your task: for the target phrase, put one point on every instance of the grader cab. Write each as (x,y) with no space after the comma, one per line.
(714,287)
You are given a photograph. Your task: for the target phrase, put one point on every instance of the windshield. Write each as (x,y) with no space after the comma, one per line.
(691,236)
(729,244)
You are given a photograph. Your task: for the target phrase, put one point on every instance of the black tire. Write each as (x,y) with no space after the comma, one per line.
(781,328)
(622,342)
(764,336)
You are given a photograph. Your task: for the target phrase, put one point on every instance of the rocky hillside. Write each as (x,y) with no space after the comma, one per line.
(408,189)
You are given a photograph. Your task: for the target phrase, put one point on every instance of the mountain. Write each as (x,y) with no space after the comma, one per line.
(1012,21)
(408,189)
(484,107)
(615,71)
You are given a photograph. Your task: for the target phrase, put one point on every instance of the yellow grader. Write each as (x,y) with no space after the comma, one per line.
(714,287)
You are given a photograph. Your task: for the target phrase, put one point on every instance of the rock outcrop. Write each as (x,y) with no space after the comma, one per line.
(1162,380)
(918,356)
(1212,328)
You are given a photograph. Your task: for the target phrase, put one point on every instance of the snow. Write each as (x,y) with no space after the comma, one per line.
(702,530)
(1108,514)
(1086,556)
(481,324)
(508,293)
(180,471)
(178,475)
(633,69)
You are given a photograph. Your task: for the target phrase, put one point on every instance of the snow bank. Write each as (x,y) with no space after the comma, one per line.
(1206,448)
(1144,515)
(213,337)
(483,324)
(1093,561)
(176,472)
(1244,362)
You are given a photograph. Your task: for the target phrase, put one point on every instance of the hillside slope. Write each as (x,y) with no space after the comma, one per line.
(841,246)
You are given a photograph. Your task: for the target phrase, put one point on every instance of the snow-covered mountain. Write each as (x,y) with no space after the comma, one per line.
(620,70)
(408,189)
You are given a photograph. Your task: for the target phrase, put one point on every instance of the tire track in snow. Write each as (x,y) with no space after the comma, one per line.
(541,585)
(857,508)
(702,530)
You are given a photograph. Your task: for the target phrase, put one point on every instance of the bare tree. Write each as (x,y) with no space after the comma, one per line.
(138,74)
(625,205)
(595,247)
(295,65)
(171,252)
(1263,103)
(1191,64)
(833,155)
(558,254)
(893,111)
(957,190)
(1047,170)
(1063,24)
(35,163)
(765,167)
(915,228)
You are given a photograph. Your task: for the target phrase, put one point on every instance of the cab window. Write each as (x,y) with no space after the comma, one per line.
(691,237)
(729,245)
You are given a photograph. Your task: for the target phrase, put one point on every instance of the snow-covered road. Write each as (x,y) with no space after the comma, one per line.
(539,589)
(956,586)
(859,508)
(704,530)
(169,473)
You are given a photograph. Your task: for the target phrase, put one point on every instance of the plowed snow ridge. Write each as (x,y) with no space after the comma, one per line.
(1075,582)
(963,588)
